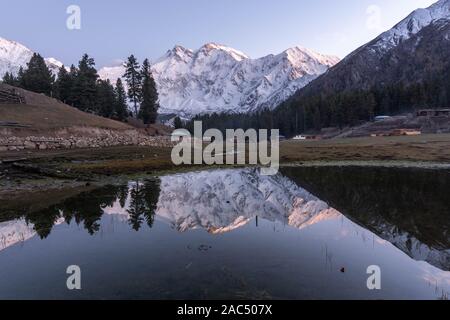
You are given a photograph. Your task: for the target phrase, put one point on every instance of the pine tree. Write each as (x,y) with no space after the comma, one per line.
(133,79)
(149,103)
(20,77)
(84,90)
(6,78)
(63,85)
(37,77)
(177,123)
(9,78)
(106,99)
(73,73)
(121,101)
(371,105)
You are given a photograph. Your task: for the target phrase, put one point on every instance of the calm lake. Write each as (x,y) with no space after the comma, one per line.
(306,233)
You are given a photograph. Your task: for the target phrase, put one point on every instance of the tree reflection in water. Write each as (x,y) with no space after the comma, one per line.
(143,200)
(407,207)
(87,208)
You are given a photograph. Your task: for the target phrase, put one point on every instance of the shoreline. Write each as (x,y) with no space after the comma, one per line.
(13,190)
(27,172)
(371,163)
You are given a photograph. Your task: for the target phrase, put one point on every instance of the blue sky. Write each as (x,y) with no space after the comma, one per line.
(111,30)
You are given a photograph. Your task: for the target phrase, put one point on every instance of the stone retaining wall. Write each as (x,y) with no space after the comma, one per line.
(106,138)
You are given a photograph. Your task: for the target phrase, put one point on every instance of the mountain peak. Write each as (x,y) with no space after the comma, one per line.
(178,53)
(12,49)
(300,54)
(217,78)
(5,42)
(214,78)
(414,51)
(212,46)
(178,49)
(412,24)
(441,4)
(54,62)
(14,55)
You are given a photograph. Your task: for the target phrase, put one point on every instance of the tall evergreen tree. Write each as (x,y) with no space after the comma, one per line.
(133,78)
(106,99)
(177,123)
(149,103)
(37,77)
(63,85)
(121,101)
(73,74)
(84,91)
(20,77)
(10,79)
(6,78)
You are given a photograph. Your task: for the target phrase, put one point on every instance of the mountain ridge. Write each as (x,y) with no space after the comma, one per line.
(212,79)
(14,55)
(217,78)
(365,64)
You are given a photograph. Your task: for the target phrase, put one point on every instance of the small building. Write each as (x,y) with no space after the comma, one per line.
(405,132)
(304,137)
(433,113)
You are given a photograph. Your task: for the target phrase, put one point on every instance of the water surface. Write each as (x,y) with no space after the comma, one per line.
(307,233)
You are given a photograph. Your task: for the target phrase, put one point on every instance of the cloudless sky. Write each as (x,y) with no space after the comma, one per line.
(112,30)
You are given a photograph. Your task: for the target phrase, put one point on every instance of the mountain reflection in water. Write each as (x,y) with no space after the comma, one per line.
(218,201)
(377,205)
(408,207)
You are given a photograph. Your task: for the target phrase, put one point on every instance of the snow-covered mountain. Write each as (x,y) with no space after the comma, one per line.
(17,231)
(414,50)
(223,200)
(411,25)
(219,201)
(14,55)
(216,78)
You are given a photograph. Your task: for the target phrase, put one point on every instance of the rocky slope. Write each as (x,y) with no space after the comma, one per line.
(415,49)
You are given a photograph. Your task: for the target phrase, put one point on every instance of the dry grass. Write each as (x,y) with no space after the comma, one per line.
(434,148)
(121,160)
(54,116)
(112,160)
(42,112)
(81,163)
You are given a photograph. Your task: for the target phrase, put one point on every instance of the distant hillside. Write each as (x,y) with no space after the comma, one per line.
(41,112)
(412,57)
(14,55)
(404,69)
